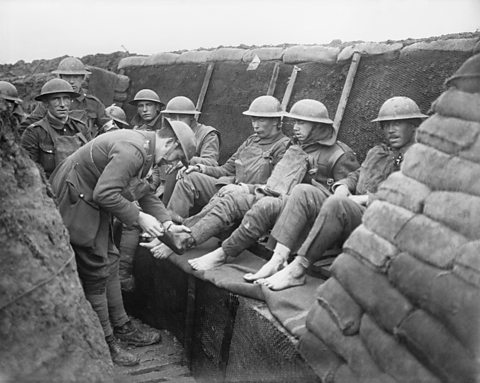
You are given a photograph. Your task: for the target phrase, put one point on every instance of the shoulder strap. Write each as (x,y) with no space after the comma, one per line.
(339,149)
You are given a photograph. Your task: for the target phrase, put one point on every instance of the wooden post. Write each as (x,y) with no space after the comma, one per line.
(203,90)
(288,91)
(273,79)
(190,318)
(342,105)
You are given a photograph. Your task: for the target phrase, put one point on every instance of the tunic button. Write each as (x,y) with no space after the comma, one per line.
(81,195)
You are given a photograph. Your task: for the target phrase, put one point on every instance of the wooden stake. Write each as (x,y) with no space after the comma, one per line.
(203,91)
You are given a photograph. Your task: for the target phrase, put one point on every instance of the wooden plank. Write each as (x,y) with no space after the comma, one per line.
(203,90)
(190,318)
(291,83)
(342,105)
(273,79)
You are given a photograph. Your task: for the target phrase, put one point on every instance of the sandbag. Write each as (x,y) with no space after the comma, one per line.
(122,83)
(439,350)
(341,306)
(317,53)
(459,211)
(350,348)
(264,54)
(453,302)
(391,356)
(371,247)
(440,171)
(385,219)
(430,241)
(197,57)
(227,54)
(372,291)
(163,58)
(455,103)
(448,134)
(467,263)
(132,61)
(403,191)
(319,357)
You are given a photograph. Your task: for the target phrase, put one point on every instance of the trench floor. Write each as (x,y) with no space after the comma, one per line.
(162,362)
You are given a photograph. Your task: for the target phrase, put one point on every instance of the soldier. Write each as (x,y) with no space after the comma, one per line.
(252,163)
(148,106)
(147,118)
(57,135)
(118,119)
(85,107)
(91,187)
(11,113)
(207,152)
(181,108)
(314,157)
(342,213)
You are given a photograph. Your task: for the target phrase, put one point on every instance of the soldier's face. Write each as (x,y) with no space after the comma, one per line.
(59,104)
(6,105)
(265,127)
(147,110)
(399,132)
(186,118)
(302,129)
(75,80)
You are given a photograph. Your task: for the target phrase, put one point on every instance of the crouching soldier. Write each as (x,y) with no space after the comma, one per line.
(11,112)
(90,187)
(341,213)
(57,135)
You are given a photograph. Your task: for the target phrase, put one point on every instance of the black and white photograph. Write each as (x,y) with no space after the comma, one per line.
(226,191)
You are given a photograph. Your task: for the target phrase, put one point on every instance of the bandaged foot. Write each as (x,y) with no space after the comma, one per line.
(209,261)
(276,263)
(292,275)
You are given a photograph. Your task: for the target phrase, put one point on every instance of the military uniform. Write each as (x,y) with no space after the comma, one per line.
(49,141)
(252,163)
(89,188)
(338,216)
(325,164)
(87,108)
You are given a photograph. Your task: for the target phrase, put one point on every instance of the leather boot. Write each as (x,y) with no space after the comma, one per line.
(178,242)
(137,337)
(119,355)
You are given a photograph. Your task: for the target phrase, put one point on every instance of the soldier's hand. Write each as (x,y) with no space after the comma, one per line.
(172,168)
(181,172)
(342,191)
(157,248)
(150,224)
(192,168)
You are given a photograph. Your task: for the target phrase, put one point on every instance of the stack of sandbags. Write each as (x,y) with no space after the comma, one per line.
(403,304)
(48,330)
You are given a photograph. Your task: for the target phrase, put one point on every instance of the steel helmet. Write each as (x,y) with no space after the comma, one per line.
(71,65)
(264,106)
(469,69)
(146,95)
(56,85)
(309,110)
(180,105)
(9,92)
(185,136)
(117,114)
(399,108)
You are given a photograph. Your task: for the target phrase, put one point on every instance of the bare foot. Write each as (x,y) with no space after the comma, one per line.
(290,276)
(208,261)
(275,264)
(159,250)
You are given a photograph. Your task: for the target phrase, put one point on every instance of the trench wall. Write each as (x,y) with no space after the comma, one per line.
(417,70)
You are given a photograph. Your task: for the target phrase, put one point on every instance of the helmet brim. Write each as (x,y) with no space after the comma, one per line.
(171,111)
(266,115)
(403,117)
(135,102)
(76,72)
(43,96)
(311,119)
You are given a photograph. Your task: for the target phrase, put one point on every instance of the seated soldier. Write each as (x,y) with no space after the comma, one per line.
(341,213)
(314,156)
(252,163)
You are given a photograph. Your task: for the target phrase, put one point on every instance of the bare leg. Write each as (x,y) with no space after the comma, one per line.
(292,275)
(209,261)
(276,263)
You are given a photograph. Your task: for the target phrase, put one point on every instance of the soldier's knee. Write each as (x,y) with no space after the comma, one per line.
(303,192)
